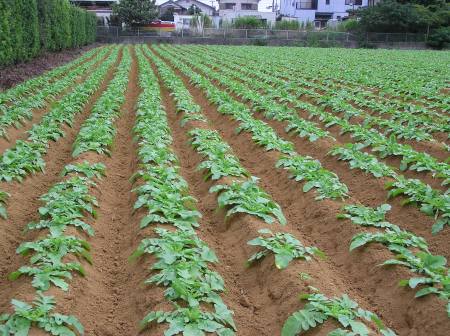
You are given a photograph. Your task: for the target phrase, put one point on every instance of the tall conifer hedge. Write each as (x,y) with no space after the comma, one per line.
(28,27)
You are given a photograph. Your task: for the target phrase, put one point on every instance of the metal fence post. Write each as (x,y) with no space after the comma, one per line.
(347,36)
(287,34)
(224,31)
(266,34)
(182,32)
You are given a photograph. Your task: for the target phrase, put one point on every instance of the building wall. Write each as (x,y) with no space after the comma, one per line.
(338,8)
(231,9)
(205,9)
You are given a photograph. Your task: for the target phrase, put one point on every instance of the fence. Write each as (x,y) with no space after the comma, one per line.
(116,34)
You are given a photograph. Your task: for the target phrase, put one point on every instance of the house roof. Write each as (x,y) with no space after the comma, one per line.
(176,3)
(170,2)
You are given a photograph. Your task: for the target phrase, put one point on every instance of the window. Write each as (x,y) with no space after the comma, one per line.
(229,5)
(306,4)
(353,2)
(327,2)
(249,6)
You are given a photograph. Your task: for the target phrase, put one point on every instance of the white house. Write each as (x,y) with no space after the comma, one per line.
(181,7)
(232,9)
(319,11)
(101,8)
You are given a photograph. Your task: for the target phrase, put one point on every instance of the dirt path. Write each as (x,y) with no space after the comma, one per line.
(104,301)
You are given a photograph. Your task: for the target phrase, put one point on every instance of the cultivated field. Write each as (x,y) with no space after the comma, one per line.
(254,191)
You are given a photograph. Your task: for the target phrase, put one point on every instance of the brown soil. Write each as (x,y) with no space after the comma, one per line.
(111,283)
(17,73)
(315,223)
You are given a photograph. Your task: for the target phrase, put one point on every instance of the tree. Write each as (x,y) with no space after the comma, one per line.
(167,15)
(136,12)
(193,9)
(416,16)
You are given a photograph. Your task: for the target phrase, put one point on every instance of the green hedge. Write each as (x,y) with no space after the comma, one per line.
(28,27)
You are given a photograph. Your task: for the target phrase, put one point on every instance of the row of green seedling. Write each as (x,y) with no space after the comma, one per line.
(183,261)
(278,89)
(27,156)
(430,201)
(22,111)
(67,204)
(220,162)
(98,131)
(301,167)
(410,251)
(31,86)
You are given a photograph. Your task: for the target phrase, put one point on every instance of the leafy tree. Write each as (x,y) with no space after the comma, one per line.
(193,9)
(416,16)
(136,12)
(167,15)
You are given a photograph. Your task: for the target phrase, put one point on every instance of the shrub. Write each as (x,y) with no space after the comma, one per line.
(28,27)
(440,38)
(287,25)
(248,22)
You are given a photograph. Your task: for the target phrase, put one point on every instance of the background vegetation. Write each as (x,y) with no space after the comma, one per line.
(28,27)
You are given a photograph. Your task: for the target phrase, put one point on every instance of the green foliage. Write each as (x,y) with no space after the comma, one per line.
(410,251)
(136,12)
(248,197)
(28,27)
(344,310)
(392,16)
(284,246)
(39,315)
(439,38)
(193,10)
(248,22)
(97,132)
(287,25)
(193,321)
(220,160)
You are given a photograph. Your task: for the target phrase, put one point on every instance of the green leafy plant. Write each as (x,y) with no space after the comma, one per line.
(344,310)
(85,168)
(433,271)
(247,197)
(284,246)
(193,321)
(38,314)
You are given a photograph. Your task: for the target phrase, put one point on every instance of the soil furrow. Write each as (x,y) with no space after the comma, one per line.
(21,133)
(364,187)
(318,221)
(335,131)
(24,203)
(104,301)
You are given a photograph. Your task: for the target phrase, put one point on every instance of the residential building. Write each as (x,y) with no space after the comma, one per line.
(181,7)
(101,8)
(232,9)
(319,11)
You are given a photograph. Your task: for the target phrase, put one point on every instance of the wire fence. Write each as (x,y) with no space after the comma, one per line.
(259,34)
